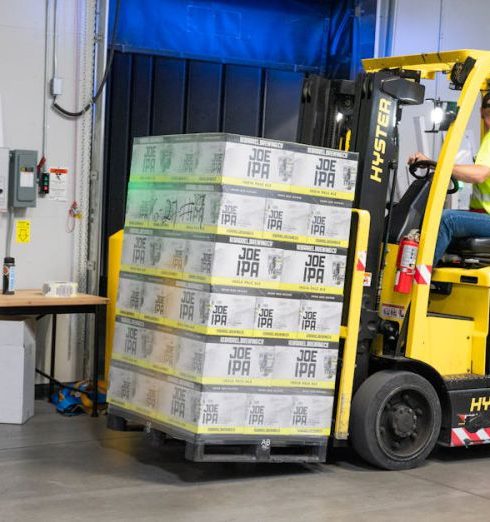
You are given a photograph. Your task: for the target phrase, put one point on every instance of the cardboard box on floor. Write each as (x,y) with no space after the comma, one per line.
(17,370)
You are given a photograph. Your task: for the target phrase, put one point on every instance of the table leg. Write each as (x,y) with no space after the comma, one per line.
(53,357)
(98,344)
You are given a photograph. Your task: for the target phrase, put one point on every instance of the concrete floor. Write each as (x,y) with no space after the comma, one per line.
(57,468)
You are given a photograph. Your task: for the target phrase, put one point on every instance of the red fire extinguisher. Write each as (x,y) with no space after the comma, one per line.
(405,262)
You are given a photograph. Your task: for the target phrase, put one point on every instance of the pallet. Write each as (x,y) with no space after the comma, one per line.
(214,448)
(265,450)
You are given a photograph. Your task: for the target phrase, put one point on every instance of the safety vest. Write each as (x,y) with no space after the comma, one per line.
(480,198)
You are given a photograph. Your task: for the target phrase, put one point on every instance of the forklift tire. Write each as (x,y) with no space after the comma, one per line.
(395,419)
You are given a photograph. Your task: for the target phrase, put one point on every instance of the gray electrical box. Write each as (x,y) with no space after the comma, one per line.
(22,178)
(4,178)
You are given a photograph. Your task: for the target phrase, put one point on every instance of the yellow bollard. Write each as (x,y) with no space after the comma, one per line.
(114,265)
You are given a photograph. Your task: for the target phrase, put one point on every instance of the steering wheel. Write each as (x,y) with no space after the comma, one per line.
(430,166)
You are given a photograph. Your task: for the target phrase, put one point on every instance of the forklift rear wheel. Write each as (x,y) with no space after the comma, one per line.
(395,419)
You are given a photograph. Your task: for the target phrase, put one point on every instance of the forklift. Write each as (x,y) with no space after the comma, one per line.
(415,368)
(414,360)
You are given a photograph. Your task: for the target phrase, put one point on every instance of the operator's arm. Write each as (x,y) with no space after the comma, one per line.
(467,173)
(471,173)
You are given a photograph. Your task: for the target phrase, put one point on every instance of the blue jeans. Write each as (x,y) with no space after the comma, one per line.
(460,223)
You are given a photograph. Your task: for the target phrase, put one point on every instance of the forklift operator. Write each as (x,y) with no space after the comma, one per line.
(476,222)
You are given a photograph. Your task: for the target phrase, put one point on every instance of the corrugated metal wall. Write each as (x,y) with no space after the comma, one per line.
(154,95)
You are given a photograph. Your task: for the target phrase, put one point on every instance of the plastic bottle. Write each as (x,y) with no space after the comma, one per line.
(8,275)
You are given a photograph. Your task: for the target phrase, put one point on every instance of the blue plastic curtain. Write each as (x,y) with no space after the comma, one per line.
(287,34)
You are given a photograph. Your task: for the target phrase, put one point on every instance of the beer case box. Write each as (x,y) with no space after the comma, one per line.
(200,260)
(135,342)
(236,261)
(176,402)
(314,268)
(267,412)
(162,301)
(276,314)
(247,312)
(122,385)
(286,219)
(221,412)
(329,222)
(131,293)
(173,207)
(266,166)
(226,410)
(325,170)
(225,360)
(231,312)
(142,249)
(194,207)
(156,156)
(240,213)
(234,211)
(148,395)
(245,261)
(238,363)
(305,365)
(311,414)
(189,305)
(322,317)
(246,161)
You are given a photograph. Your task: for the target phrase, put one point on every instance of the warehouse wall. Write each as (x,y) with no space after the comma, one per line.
(53,247)
(419,26)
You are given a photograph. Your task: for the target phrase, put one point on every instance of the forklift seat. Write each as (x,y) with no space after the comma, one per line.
(477,248)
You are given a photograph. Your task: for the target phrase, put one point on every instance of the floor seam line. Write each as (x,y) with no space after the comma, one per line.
(454,488)
(62,443)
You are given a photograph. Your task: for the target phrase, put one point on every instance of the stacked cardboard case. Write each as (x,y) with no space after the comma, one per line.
(231,286)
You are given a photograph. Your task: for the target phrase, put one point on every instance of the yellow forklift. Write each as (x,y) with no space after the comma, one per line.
(415,364)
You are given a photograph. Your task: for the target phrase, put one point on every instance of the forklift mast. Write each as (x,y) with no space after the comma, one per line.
(362,116)
(416,361)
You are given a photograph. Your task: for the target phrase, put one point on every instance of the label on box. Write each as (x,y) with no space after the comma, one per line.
(247,265)
(276,316)
(314,269)
(241,214)
(331,174)
(305,366)
(319,319)
(286,220)
(255,165)
(330,222)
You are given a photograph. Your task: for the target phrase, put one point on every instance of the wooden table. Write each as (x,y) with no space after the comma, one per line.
(33,302)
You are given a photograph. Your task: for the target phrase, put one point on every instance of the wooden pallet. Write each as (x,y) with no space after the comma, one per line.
(265,450)
(223,448)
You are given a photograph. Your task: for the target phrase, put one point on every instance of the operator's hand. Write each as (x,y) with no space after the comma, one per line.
(417,156)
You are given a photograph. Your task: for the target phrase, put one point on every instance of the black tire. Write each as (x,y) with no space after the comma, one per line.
(395,419)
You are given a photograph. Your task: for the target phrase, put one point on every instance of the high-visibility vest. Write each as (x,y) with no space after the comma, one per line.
(480,198)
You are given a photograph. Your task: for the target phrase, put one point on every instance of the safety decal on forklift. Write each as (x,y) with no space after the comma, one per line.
(361,261)
(423,274)
(463,437)
(392,311)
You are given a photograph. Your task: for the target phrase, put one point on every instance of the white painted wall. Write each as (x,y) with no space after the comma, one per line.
(50,255)
(420,26)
